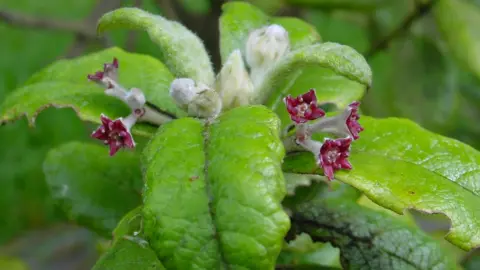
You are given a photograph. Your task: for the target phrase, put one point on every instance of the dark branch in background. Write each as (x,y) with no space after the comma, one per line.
(81,44)
(132,35)
(204,25)
(168,10)
(26,21)
(420,10)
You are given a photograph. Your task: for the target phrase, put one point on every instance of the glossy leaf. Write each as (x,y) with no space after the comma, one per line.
(457,20)
(213,200)
(64,84)
(129,225)
(400,165)
(341,61)
(240,18)
(302,252)
(127,255)
(182,51)
(338,4)
(369,239)
(94,189)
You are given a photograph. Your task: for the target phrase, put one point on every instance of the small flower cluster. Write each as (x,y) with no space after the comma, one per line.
(332,154)
(117,133)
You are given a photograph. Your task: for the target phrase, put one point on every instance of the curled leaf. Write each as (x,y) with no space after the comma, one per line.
(182,51)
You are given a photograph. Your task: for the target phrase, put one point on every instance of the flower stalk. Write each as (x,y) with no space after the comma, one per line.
(331,154)
(117,133)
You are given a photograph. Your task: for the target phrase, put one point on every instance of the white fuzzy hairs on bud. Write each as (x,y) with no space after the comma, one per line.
(265,46)
(233,82)
(196,98)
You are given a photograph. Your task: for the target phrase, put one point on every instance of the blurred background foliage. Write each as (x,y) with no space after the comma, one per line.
(425,56)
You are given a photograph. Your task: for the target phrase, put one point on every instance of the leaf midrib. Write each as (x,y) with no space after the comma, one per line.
(208,191)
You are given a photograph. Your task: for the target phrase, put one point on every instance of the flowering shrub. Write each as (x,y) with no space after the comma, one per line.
(210,171)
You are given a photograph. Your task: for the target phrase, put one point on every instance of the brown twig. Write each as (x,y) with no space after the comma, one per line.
(421,9)
(26,21)
(81,44)
(168,9)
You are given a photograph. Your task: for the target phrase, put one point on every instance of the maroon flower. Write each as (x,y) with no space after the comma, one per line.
(333,156)
(342,125)
(115,133)
(304,107)
(352,120)
(110,70)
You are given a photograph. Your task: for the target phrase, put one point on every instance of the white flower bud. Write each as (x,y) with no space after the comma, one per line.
(183,91)
(196,98)
(266,45)
(233,82)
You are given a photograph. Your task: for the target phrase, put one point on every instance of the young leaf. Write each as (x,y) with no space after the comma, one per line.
(182,51)
(344,64)
(240,18)
(302,252)
(65,84)
(369,239)
(400,165)
(458,20)
(130,224)
(128,255)
(94,189)
(213,200)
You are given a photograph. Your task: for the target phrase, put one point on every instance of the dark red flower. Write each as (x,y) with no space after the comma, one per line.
(333,156)
(304,107)
(110,70)
(114,133)
(352,120)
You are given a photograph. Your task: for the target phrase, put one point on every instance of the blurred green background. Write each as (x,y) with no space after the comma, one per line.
(423,54)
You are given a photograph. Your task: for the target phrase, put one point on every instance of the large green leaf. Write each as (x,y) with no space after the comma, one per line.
(369,239)
(23,193)
(457,19)
(240,18)
(64,84)
(400,165)
(182,51)
(338,73)
(213,192)
(128,255)
(94,189)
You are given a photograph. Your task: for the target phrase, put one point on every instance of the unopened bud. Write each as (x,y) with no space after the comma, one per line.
(233,82)
(266,45)
(196,98)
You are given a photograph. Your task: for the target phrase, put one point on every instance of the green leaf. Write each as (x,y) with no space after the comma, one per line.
(196,211)
(94,189)
(400,165)
(182,51)
(338,4)
(369,239)
(64,84)
(24,197)
(340,72)
(12,263)
(302,252)
(458,20)
(130,224)
(127,255)
(240,18)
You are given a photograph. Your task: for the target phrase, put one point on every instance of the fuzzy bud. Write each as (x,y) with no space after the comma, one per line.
(266,45)
(233,82)
(196,98)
